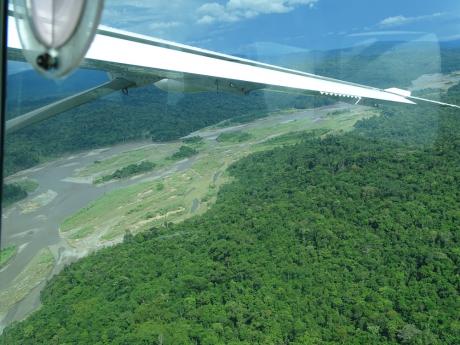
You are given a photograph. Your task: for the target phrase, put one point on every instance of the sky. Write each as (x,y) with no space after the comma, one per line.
(239,26)
(255,28)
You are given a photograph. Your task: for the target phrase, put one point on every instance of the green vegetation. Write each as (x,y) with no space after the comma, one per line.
(145,114)
(239,120)
(233,137)
(184,193)
(343,239)
(158,153)
(184,152)
(17,191)
(338,112)
(12,193)
(28,185)
(193,140)
(128,171)
(149,204)
(35,273)
(7,254)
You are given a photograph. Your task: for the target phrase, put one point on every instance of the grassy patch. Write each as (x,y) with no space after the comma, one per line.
(184,152)
(157,153)
(233,137)
(81,233)
(107,205)
(12,193)
(28,185)
(34,273)
(17,191)
(339,112)
(142,206)
(193,140)
(7,254)
(291,138)
(128,171)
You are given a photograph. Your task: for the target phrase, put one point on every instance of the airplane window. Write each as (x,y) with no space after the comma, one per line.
(235,172)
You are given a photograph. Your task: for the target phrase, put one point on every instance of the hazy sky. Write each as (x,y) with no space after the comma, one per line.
(267,27)
(234,25)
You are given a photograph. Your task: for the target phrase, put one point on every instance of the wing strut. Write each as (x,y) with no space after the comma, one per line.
(55,108)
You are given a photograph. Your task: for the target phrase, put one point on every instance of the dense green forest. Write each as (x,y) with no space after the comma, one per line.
(17,191)
(145,113)
(346,239)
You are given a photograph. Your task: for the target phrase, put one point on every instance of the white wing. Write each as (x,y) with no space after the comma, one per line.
(140,60)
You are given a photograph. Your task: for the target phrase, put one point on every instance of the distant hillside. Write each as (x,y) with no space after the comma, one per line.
(451,44)
(30,87)
(380,64)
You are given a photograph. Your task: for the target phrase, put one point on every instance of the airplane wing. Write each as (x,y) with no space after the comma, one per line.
(139,60)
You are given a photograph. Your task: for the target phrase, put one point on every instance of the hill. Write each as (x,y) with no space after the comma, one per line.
(380,64)
(29,89)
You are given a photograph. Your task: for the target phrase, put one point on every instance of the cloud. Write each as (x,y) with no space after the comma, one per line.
(236,10)
(450,38)
(384,33)
(403,20)
(264,48)
(396,20)
(149,16)
(164,25)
